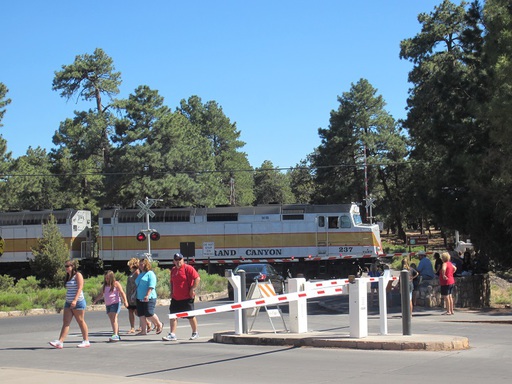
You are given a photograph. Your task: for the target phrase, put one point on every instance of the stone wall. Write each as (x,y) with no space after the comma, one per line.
(469,292)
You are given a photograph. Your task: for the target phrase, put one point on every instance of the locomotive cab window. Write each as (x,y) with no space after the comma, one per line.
(333,222)
(345,222)
(321,221)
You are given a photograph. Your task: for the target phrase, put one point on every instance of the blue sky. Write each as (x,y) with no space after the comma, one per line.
(276,67)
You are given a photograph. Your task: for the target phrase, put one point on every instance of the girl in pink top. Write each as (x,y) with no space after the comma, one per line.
(112,293)
(447,282)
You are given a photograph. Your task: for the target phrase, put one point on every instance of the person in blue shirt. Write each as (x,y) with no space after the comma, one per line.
(146,297)
(425,268)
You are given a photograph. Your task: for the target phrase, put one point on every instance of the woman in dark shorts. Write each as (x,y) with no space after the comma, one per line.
(447,281)
(146,297)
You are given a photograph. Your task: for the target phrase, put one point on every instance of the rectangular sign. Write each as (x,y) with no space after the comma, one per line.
(208,249)
(417,240)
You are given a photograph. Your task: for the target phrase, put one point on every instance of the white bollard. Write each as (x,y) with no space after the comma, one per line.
(298,309)
(358,308)
(235,282)
(383,306)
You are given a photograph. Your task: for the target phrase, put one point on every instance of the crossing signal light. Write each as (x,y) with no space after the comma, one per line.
(141,236)
(155,236)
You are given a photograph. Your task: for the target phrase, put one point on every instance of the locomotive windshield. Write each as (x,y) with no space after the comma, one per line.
(357,219)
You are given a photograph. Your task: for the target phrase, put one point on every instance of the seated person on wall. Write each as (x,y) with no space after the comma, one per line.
(438,263)
(425,268)
(457,262)
(467,266)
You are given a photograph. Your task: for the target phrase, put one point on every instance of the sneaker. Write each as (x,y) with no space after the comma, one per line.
(114,338)
(84,344)
(169,337)
(56,344)
(194,336)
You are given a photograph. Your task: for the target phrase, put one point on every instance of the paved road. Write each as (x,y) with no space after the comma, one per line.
(26,357)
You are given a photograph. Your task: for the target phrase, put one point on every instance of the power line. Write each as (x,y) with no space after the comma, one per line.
(250,170)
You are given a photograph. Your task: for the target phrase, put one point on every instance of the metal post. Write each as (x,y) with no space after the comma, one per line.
(242,275)
(406,302)
(148,236)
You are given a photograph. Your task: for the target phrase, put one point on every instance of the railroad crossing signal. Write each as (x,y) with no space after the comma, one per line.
(141,236)
(145,208)
(369,207)
(369,202)
(146,211)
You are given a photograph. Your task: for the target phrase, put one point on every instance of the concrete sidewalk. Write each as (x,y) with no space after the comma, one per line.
(391,341)
(13,375)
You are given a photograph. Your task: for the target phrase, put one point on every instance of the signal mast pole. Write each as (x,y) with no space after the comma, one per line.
(368,198)
(145,210)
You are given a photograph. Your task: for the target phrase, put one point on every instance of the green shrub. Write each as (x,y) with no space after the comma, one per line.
(24,306)
(30,284)
(28,294)
(211,283)
(92,288)
(11,300)
(49,298)
(163,275)
(6,283)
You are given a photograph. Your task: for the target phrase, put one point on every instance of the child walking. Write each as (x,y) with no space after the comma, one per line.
(112,293)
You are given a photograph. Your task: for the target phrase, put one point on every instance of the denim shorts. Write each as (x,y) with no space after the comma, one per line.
(80,304)
(146,308)
(113,308)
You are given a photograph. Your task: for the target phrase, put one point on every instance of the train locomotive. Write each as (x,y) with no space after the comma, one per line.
(20,231)
(315,241)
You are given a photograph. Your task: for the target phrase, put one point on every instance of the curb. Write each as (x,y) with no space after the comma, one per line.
(101,307)
(372,342)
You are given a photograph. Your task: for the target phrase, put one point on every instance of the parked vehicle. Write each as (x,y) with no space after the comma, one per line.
(260,273)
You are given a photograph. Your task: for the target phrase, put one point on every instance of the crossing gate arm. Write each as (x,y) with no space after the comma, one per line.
(279,299)
(315,289)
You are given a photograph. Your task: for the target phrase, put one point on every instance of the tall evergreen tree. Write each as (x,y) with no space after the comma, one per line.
(4,101)
(302,181)
(272,186)
(31,185)
(447,136)
(490,214)
(359,152)
(83,143)
(224,146)
(5,156)
(164,153)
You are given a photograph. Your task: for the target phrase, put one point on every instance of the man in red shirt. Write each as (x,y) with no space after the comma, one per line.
(184,281)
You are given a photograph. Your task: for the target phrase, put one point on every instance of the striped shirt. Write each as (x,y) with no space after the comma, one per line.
(72,288)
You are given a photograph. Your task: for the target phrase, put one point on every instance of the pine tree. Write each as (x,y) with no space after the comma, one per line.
(50,255)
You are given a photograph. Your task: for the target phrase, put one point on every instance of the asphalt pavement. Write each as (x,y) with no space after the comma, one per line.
(425,320)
